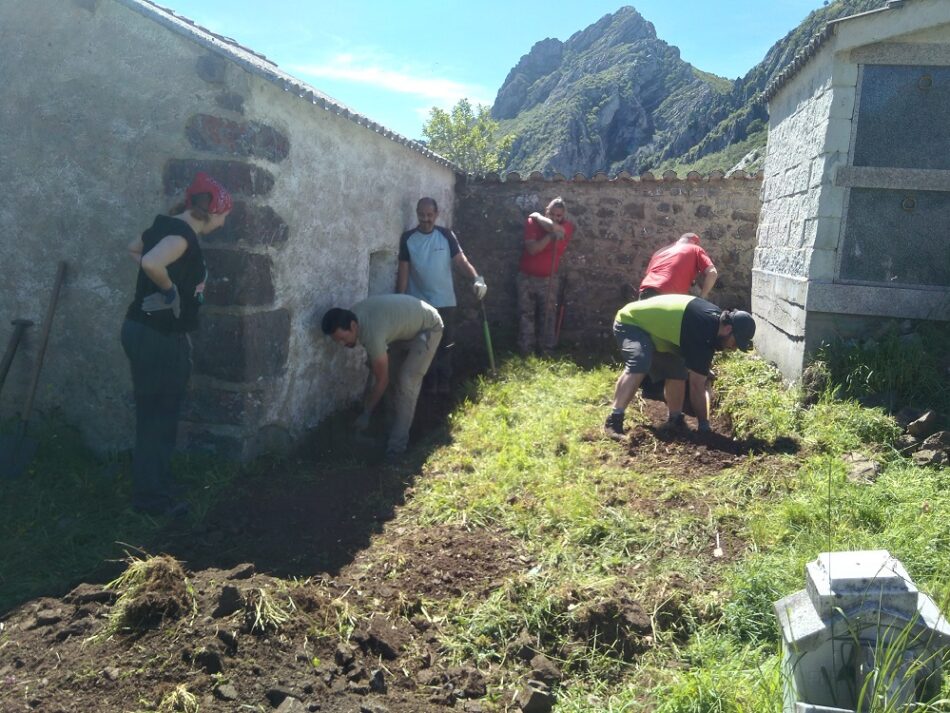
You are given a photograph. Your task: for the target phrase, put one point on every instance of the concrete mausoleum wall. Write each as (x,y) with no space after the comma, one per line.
(109,107)
(856,193)
(620,223)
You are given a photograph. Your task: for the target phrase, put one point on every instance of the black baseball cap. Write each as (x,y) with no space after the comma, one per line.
(743,328)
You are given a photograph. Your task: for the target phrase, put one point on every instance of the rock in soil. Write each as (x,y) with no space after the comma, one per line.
(923,426)
(535,698)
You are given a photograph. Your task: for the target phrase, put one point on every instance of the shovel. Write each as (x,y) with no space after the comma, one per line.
(491,352)
(19,326)
(17,450)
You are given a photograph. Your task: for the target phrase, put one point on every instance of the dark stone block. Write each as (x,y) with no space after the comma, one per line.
(238,138)
(230,101)
(243,348)
(238,278)
(746,232)
(897,109)
(714,232)
(239,178)
(677,209)
(634,210)
(703,211)
(605,213)
(663,208)
(871,252)
(745,216)
(251,225)
(211,68)
(232,408)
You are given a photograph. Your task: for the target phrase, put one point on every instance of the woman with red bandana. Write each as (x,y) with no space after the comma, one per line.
(168,293)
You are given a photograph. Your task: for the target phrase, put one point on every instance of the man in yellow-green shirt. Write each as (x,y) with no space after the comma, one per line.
(673,337)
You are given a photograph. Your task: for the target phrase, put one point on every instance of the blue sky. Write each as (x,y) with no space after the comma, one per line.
(392,60)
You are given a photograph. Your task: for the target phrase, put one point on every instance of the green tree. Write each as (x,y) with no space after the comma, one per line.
(468,137)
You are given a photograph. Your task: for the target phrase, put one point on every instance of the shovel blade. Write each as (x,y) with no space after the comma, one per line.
(16,454)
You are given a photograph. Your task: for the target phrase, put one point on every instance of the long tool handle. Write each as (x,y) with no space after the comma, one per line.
(44,340)
(491,352)
(19,326)
(547,300)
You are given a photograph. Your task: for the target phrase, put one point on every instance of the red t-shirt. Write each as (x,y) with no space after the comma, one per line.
(539,264)
(672,269)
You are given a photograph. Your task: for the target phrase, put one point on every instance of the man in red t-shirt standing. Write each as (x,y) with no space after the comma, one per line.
(673,269)
(545,240)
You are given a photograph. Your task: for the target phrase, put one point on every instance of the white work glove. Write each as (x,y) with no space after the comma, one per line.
(163,299)
(480,288)
(362,422)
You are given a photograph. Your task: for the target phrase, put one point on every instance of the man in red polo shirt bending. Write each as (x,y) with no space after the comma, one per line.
(545,240)
(673,269)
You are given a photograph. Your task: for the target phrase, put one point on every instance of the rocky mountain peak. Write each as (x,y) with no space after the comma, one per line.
(614,96)
(626,26)
(541,70)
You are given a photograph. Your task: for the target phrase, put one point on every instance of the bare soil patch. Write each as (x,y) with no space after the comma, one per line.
(281,567)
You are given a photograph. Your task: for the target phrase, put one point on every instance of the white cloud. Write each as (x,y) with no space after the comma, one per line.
(347,68)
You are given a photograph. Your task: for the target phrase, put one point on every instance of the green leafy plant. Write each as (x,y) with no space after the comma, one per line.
(468,136)
(899,369)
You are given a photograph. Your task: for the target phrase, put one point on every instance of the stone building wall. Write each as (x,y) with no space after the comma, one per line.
(856,194)
(797,193)
(110,106)
(620,223)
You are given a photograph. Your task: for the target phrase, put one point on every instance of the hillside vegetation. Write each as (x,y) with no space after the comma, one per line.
(615,97)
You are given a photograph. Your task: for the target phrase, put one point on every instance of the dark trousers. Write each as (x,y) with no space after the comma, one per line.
(161,367)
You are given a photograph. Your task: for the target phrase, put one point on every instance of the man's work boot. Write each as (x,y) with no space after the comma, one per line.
(613,426)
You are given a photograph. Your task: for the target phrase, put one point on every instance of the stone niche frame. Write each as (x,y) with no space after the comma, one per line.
(807,287)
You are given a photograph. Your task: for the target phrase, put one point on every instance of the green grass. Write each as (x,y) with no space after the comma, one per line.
(69,515)
(525,458)
(622,590)
(904,369)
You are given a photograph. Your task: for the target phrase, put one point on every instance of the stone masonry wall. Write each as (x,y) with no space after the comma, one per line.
(798,167)
(109,109)
(855,185)
(620,223)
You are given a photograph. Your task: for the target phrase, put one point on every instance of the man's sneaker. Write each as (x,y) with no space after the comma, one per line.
(613,426)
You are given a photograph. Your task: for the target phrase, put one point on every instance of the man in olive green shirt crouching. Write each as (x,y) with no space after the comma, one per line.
(385,324)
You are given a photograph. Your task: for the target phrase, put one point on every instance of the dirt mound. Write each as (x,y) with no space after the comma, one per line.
(151,591)
(346,627)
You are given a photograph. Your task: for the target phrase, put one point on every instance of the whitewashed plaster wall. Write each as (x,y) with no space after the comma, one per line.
(97,119)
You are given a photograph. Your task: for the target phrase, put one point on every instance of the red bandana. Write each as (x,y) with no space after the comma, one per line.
(203,183)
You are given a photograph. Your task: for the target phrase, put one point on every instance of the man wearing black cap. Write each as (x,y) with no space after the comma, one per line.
(674,337)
